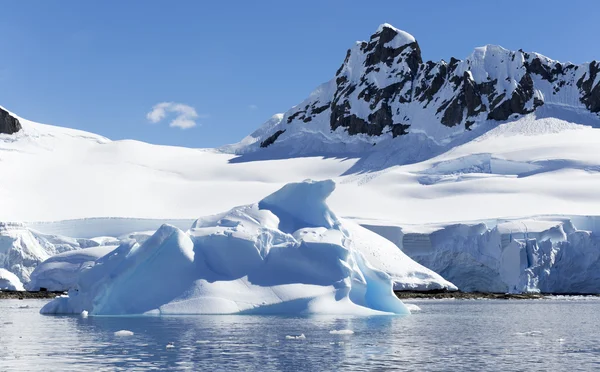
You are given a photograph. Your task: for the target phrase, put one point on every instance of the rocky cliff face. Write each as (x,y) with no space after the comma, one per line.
(8,123)
(384,90)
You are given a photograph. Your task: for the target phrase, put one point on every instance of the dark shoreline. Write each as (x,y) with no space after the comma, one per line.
(28,295)
(25,295)
(481,295)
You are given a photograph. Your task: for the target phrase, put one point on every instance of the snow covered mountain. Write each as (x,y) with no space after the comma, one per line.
(449,184)
(384,94)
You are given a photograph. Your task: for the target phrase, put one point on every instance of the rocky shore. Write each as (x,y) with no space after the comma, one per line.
(23,295)
(480,295)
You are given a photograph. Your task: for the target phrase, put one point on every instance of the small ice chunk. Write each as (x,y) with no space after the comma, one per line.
(412,307)
(293,337)
(342,332)
(84,314)
(123,333)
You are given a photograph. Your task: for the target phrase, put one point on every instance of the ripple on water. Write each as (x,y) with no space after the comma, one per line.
(450,335)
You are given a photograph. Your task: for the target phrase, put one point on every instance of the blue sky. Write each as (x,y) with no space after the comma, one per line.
(101,66)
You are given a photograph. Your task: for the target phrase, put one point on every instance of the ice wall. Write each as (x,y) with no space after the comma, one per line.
(549,254)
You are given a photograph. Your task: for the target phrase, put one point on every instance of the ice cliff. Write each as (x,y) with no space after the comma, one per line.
(548,254)
(9,281)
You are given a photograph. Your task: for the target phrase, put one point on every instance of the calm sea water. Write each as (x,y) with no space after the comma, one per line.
(447,335)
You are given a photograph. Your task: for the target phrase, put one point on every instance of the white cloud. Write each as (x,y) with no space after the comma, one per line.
(253,107)
(185,116)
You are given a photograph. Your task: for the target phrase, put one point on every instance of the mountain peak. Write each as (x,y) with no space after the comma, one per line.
(393,36)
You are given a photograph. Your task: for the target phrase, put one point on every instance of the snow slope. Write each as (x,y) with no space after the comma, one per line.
(535,165)
(267,257)
(59,174)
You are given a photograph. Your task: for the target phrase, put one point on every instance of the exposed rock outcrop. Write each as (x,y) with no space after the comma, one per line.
(8,123)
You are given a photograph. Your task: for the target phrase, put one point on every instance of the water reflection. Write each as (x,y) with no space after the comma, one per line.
(236,341)
(446,335)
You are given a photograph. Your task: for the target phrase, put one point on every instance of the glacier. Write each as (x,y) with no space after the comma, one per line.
(20,251)
(541,254)
(9,281)
(23,248)
(288,253)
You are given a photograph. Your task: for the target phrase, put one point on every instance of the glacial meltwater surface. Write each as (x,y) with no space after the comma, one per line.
(446,335)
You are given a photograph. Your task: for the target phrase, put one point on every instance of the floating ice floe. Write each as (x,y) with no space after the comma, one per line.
(412,307)
(342,332)
(294,337)
(123,333)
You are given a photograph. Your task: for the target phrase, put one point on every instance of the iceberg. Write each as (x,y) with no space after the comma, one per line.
(123,333)
(287,254)
(60,272)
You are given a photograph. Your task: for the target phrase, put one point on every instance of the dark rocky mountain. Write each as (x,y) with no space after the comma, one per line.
(384,90)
